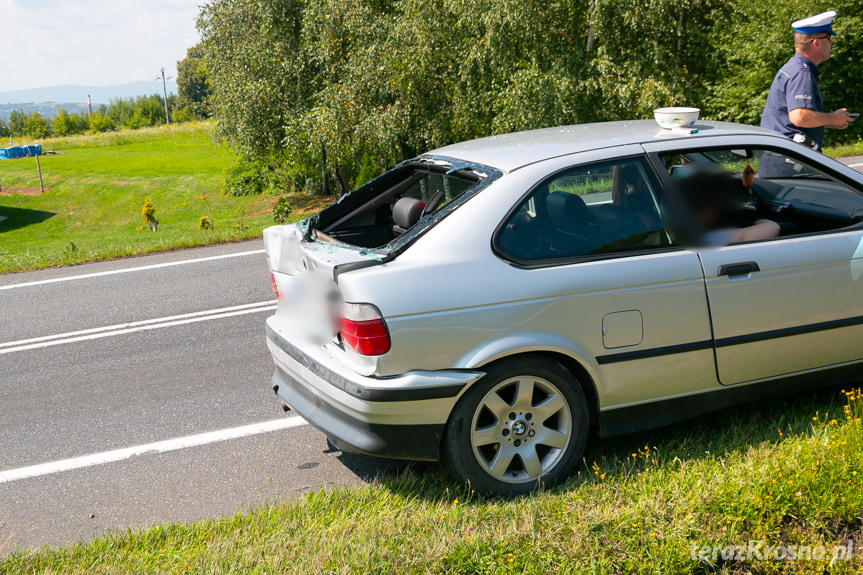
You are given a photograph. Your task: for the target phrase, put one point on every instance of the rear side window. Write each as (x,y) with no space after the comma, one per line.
(409,196)
(586,211)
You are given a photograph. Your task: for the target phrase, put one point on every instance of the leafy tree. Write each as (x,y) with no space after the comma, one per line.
(17,123)
(4,129)
(149,111)
(193,88)
(372,82)
(101,122)
(137,112)
(121,111)
(652,53)
(36,126)
(66,124)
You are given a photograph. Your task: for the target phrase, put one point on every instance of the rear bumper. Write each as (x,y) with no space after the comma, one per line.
(401,417)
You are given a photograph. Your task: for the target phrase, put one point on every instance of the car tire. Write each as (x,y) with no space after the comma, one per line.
(524,424)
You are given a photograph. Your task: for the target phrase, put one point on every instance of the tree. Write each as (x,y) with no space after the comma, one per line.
(66,124)
(388,79)
(37,126)
(17,121)
(4,129)
(193,88)
(101,122)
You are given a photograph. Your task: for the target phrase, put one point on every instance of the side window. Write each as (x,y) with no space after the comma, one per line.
(592,210)
(773,186)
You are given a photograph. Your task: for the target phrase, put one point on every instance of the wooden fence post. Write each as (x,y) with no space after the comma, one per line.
(39,168)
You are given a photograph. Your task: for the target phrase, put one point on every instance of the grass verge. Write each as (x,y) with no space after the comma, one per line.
(95,186)
(779,477)
(852,149)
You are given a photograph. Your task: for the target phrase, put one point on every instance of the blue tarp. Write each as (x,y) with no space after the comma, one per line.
(20,151)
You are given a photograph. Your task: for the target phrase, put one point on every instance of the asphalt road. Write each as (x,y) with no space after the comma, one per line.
(100,358)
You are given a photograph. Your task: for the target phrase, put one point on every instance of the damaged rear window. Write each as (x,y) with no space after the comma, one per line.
(386,213)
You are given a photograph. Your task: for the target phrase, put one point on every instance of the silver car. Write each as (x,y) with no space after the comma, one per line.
(492,302)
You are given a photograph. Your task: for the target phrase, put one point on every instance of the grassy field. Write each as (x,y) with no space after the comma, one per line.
(777,477)
(95,186)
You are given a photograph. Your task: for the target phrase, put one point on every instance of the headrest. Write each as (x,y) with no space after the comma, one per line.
(568,212)
(407,212)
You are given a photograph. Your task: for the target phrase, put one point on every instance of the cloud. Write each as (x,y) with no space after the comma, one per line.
(92,42)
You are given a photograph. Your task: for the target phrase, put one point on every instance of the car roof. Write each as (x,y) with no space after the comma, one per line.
(509,152)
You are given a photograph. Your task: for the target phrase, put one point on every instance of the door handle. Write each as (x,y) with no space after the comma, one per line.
(738,269)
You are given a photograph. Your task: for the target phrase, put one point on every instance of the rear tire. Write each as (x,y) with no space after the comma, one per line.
(524,424)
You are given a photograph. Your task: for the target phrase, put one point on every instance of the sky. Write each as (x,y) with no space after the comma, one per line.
(92,42)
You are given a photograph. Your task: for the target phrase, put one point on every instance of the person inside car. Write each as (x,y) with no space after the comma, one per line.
(705,208)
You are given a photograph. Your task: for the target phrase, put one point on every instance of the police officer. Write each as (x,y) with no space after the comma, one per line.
(794,107)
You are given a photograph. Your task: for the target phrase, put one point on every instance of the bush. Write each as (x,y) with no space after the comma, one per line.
(36,126)
(148,211)
(66,124)
(246,177)
(281,210)
(369,170)
(183,115)
(99,122)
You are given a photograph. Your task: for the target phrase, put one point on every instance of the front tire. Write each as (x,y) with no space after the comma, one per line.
(525,423)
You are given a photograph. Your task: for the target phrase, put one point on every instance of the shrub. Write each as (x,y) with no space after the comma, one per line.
(369,170)
(148,211)
(247,177)
(182,115)
(36,126)
(281,210)
(66,124)
(99,122)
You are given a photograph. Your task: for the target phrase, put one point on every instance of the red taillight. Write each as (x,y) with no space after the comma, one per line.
(273,285)
(364,330)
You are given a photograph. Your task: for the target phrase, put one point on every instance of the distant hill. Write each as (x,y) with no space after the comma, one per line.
(74,98)
(46,109)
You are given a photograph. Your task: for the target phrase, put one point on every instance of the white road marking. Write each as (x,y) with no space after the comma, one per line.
(129,270)
(858,165)
(148,448)
(124,328)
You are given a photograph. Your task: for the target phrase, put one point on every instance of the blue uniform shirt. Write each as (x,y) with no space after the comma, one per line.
(795,86)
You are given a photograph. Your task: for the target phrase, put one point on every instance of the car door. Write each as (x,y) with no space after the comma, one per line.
(589,240)
(794,303)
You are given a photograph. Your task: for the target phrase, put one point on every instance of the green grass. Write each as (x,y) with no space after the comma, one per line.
(95,186)
(852,149)
(786,472)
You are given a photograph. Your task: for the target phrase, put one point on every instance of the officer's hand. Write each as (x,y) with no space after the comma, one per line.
(840,119)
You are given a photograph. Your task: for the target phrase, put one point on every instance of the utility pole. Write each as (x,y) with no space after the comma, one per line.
(165,92)
(89,107)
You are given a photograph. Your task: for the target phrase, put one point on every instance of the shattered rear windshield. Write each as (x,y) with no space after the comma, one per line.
(387,213)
